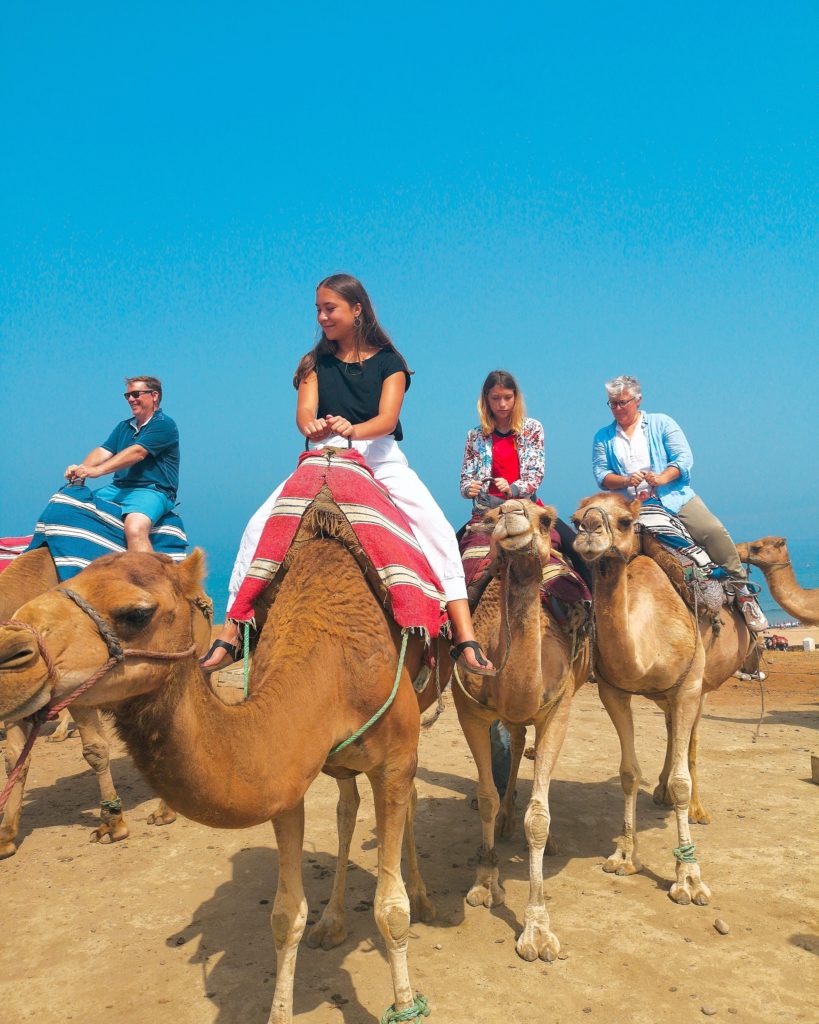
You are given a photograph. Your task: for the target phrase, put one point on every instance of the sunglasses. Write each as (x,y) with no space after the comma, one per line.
(136,394)
(619,405)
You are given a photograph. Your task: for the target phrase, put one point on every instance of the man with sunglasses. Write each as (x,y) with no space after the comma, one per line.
(646,453)
(143,454)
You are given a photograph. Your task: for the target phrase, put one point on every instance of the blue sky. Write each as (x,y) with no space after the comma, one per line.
(565,191)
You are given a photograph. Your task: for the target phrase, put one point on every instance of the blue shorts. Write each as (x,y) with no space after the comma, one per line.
(147,500)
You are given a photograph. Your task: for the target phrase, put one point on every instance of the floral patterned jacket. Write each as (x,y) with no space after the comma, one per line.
(477,464)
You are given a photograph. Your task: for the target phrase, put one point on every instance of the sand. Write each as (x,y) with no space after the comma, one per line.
(172,925)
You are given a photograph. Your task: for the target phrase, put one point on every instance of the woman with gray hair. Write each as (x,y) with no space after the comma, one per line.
(646,453)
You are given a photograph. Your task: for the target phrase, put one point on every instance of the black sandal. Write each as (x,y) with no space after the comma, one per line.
(456,652)
(234,653)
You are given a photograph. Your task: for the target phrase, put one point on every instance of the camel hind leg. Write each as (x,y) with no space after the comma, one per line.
(624,860)
(505,823)
(289,914)
(64,728)
(95,749)
(16,736)
(486,890)
(421,906)
(330,930)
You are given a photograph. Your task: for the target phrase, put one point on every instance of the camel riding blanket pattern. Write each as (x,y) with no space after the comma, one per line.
(413,593)
(10,548)
(78,527)
(561,584)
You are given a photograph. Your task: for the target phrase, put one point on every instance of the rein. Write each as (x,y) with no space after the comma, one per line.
(116,654)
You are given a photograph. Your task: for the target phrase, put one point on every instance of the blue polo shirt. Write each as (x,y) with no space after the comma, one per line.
(160,467)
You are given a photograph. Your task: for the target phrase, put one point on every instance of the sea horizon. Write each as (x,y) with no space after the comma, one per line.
(804,557)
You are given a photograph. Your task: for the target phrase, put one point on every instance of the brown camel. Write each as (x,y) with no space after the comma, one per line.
(326,662)
(538,675)
(770,554)
(647,642)
(29,575)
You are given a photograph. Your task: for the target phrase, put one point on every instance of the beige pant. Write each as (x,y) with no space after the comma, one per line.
(710,534)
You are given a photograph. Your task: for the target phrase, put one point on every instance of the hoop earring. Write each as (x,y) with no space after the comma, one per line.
(357,322)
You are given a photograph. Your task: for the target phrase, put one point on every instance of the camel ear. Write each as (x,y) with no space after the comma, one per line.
(192,573)
(634,508)
(548,518)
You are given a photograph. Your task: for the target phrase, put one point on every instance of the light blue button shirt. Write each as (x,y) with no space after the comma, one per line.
(667,446)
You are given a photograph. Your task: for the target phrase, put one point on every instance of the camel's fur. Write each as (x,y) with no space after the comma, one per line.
(535,684)
(29,575)
(648,643)
(325,662)
(770,554)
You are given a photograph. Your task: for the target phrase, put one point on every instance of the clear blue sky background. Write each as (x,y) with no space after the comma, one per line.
(566,191)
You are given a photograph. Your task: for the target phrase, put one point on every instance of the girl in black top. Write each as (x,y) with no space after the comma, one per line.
(351,386)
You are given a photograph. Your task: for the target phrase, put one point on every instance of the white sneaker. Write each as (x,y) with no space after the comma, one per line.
(754,617)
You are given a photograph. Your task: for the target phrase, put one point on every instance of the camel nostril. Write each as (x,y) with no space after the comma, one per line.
(19,657)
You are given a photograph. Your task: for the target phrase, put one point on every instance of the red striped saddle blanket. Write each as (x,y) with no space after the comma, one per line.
(413,594)
(10,548)
(561,585)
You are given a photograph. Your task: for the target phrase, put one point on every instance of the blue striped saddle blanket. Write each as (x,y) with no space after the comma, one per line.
(78,527)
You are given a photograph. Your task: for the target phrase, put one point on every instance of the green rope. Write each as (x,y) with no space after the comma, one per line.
(377,715)
(112,806)
(685,854)
(246,664)
(420,1008)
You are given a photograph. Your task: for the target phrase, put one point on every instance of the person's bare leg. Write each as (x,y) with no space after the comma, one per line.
(137,528)
(230,634)
(462,630)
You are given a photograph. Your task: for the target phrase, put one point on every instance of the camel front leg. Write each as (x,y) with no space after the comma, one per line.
(486,890)
(95,749)
(331,930)
(392,787)
(505,824)
(421,906)
(624,860)
(289,911)
(689,886)
(537,939)
(16,736)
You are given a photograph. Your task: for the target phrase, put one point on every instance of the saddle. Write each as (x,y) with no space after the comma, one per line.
(333,493)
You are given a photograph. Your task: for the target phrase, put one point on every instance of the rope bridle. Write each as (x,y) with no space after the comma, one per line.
(116,655)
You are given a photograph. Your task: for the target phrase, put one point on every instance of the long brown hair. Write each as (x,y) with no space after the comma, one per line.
(502,379)
(368,334)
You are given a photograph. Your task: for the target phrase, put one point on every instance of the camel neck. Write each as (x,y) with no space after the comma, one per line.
(786,591)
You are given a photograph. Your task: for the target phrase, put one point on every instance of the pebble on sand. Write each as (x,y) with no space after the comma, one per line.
(709,1011)
(722,927)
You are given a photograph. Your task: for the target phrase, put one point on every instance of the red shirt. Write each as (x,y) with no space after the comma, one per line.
(505,461)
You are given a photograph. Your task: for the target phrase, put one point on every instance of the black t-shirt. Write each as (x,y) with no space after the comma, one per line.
(353,390)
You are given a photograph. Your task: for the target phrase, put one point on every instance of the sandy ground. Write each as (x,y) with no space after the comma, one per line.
(172,925)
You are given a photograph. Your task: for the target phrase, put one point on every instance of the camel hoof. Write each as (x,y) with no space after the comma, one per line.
(698,816)
(7,849)
(110,832)
(552,848)
(481,895)
(422,908)
(661,797)
(616,865)
(168,817)
(326,934)
(529,753)
(680,895)
(537,943)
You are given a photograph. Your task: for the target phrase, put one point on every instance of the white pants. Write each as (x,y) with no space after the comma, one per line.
(429,524)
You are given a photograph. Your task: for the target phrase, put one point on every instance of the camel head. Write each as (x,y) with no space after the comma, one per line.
(765,553)
(519,527)
(146,601)
(605,527)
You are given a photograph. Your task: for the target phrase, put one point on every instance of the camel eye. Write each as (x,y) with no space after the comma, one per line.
(134,619)
(625,523)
